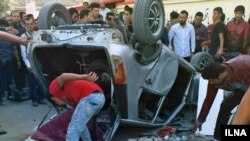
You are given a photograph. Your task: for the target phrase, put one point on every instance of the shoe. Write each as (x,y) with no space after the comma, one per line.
(42,102)
(35,104)
(2,132)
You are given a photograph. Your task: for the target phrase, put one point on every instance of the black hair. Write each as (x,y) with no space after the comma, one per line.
(94,5)
(223,17)
(200,14)
(239,8)
(21,14)
(218,9)
(174,15)
(72,11)
(30,16)
(184,12)
(84,13)
(109,14)
(126,7)
(85,3)
(213,70)
(129,9)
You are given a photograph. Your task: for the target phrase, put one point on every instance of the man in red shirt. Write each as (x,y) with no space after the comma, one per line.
(237,34)
(81,92)
(233,76)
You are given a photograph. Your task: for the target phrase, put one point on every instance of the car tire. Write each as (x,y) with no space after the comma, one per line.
(45,19)
(201,60)
(102,69)
(148,20)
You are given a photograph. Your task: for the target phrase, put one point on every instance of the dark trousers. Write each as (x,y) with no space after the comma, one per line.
(5,77)
(225,110)
(34,89)
(19,75)
(187,58)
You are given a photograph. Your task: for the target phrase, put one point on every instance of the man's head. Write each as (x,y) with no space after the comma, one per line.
(215,72)
(23,16)
(85,5)
(217,14)
(174,15)
(15,16)
(94,8)
(110,18)
(74,15)
(128,11)
(29,24)
(84,16)
(239,12)
(183,17)
(102,5)
(198,18)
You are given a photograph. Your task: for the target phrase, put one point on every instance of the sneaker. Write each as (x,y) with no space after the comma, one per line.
(35,104)
(42,102)
(3,132)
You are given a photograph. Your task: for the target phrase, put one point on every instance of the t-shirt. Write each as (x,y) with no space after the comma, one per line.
(220,27)
(74,90)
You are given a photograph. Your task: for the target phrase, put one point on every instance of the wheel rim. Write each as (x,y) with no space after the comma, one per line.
(204,62)
(155,18)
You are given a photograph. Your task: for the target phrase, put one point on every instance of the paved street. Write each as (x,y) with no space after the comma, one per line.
(20,119)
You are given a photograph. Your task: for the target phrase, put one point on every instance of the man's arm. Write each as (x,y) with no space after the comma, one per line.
(66,77)
(206,106)
(245,42)
(13,38)
(221,47)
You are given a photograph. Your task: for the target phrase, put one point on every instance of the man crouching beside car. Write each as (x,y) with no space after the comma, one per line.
(84,94)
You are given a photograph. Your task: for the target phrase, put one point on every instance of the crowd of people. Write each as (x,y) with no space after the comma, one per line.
(227,43)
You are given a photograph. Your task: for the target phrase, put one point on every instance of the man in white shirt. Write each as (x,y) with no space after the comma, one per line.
(35,93)
(183,37)
(103,10)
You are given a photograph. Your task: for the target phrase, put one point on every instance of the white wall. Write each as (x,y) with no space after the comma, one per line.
(192,7)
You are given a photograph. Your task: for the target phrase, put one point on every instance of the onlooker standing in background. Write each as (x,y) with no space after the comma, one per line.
(34,89)
(85,17)
(74,15)
(18,64)
(94,9)
(103,9)
(217,42)
(6,56)
(183,35)
(23,17)
(201,34)
(85,5)
(237,34)
(174,18)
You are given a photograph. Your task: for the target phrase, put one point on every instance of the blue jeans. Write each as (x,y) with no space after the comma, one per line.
(84,111)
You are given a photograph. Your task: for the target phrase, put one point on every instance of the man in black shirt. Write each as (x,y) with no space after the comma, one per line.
(218,33)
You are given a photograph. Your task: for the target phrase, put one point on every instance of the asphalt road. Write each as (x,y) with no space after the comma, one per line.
(20,119)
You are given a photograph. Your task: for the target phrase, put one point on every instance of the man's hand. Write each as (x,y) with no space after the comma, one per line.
(92,76)
(197,126)
(24,41)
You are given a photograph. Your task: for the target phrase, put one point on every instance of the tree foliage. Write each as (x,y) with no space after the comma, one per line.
(6,5)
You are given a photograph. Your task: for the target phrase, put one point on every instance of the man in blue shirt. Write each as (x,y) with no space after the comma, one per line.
(6,53)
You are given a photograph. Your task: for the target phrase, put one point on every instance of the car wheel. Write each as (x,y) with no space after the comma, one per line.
(201,60)
(148,20)
(102,69)
(58,11)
